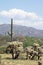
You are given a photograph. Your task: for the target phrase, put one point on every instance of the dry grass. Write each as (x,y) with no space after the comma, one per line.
(6,60)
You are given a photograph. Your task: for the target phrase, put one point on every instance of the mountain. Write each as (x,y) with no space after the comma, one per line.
(21,30)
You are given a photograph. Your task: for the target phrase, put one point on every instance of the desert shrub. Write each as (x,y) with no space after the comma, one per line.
(29,41)
(2,49)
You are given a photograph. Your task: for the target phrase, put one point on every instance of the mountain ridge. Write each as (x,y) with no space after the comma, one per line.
(21,30)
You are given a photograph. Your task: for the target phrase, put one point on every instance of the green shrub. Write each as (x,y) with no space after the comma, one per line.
(2,49)
(31,40)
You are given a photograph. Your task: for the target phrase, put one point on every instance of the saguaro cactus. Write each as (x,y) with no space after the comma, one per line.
(11,34)
(11,29)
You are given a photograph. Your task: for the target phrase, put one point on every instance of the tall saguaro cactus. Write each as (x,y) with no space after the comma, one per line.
(11,29)
(11,34)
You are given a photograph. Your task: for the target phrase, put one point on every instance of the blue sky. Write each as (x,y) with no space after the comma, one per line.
(24,12)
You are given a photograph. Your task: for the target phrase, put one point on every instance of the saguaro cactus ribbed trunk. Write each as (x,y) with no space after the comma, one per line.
(11,32)
(11,29)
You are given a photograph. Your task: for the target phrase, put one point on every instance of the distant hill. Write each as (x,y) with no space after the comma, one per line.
(21,30)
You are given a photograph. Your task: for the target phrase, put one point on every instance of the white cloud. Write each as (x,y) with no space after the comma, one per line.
(22,17)
(4,13)
(18,12)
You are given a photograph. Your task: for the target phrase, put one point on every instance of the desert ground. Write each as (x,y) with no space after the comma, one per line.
(5,59)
